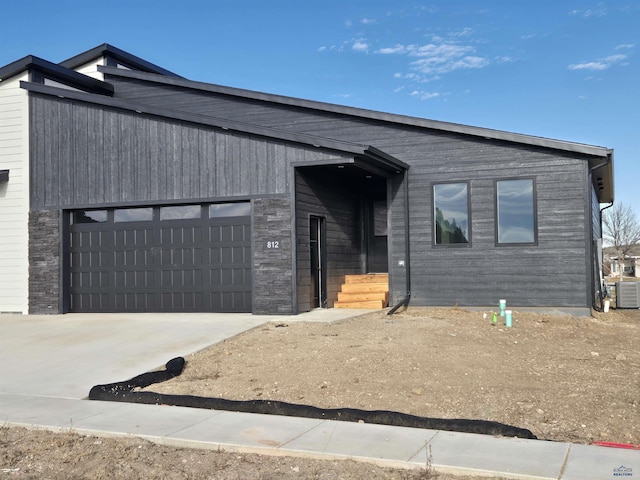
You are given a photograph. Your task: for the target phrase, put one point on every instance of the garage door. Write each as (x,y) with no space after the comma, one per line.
(183,258)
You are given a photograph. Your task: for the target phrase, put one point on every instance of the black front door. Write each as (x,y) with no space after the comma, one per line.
(318,252)
(377,261)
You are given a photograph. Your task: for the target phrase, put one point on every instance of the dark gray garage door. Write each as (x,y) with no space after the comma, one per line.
(184,258)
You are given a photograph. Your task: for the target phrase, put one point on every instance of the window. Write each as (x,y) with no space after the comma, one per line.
(240,209)
(516,211)
(89,216)
(133,214)
(180,212)
(380,219)
(451,214)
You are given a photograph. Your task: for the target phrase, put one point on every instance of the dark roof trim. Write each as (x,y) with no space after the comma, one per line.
(110,51)
(369,114)
(382,160)
(55,71)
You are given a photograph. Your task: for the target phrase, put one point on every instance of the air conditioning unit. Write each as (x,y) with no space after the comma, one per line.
(628,294)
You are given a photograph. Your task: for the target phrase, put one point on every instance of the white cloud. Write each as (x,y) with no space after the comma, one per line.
(599,10)
(360,46)
(368,21)
(398,49)
(322,49)
(422,95)
(600,64)
(625,46)
(435,59)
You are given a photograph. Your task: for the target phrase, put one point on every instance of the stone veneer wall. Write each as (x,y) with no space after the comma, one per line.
(272,259)
(44,262)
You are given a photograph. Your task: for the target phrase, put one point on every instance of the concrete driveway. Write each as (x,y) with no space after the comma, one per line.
(65,355)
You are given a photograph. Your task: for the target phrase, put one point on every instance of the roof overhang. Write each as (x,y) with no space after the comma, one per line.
(55,71)
(601,169)
(109,51)
(485,133)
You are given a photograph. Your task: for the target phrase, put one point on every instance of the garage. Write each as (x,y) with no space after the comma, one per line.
(172,258)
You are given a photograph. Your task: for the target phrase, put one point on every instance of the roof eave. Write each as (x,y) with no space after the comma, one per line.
(109,50)
(487,133)
(30,63)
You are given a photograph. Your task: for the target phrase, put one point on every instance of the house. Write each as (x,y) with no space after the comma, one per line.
(631,262)
(127,188)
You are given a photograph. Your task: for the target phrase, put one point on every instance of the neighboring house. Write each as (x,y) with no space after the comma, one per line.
(125,187)
(631,262)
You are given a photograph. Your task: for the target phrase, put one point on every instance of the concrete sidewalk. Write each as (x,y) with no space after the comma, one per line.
(51,362)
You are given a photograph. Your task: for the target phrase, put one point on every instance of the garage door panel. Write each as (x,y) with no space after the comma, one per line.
(193,264)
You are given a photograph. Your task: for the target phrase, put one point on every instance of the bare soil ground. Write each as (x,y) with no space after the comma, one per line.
(565,378)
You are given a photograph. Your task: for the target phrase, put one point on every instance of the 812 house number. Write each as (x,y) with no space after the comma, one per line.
(272,244)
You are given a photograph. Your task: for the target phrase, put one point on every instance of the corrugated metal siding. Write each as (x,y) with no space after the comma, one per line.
(14,196)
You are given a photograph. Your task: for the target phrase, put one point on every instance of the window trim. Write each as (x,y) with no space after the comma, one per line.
(469,242)
(535,212)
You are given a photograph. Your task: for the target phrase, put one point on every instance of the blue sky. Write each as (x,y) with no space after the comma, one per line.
(568,70)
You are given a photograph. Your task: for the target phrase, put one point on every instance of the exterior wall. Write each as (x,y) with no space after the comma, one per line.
(85,155)
(44,262)
(318,193)
(555,272)
(273,284)
(91,69)
(14,196)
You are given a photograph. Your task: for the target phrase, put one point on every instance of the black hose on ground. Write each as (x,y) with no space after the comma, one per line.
(124,392)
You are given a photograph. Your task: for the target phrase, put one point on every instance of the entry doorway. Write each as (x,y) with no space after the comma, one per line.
(376,234)
(318,250)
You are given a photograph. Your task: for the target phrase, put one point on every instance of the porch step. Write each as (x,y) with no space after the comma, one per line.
(370,290)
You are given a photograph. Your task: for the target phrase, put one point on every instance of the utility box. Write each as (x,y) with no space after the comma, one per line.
(628,294)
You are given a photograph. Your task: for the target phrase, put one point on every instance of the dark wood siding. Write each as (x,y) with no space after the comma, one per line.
(84,155)
(319,193)
(552,273)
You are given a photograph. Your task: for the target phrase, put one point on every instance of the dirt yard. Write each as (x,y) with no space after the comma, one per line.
(573,379)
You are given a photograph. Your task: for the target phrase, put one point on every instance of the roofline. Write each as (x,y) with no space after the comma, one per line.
(487,133)
(31,62)
(106,49)
(384,160)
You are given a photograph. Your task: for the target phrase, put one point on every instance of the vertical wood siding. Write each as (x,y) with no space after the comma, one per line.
(324,195)
(86,155)
(14,196)
(552,273)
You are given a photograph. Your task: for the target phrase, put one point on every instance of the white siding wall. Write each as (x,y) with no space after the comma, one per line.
(91,69)
(14,196)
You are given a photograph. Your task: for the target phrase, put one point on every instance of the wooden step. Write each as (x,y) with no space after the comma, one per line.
(369,290)
(362,297)
(368,304)
(364,287)
(367,278)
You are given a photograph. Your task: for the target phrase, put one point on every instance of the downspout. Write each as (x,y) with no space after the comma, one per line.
(407,297)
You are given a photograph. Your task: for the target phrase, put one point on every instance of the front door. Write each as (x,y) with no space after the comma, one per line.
(318,260)
(377,261)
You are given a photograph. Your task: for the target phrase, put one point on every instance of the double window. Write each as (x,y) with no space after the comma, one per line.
(515,213)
